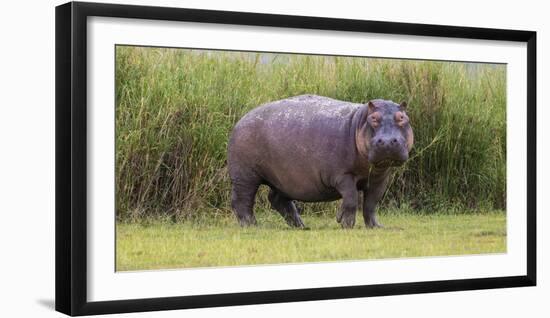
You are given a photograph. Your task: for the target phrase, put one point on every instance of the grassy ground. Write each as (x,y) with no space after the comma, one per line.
(218,241)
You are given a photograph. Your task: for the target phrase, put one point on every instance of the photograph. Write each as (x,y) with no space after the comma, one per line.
(230,158)
(299,159)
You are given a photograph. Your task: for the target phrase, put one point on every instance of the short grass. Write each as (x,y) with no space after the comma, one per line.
(219,241)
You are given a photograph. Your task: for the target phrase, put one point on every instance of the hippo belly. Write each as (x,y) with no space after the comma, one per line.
(300,186)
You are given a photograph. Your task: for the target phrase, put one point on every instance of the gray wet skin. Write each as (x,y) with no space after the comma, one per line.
(312,149)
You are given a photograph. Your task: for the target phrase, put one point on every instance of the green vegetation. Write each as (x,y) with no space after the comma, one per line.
(219,241)
(175,111)
(176,108)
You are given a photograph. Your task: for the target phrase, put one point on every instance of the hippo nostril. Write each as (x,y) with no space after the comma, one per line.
(379,141)
(394,141)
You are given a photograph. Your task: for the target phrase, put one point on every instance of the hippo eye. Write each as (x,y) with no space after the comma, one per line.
(400,118)
(374,121)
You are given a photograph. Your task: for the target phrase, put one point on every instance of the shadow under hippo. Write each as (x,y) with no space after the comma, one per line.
(313,148)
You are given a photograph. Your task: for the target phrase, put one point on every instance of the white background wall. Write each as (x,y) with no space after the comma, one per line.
(27,158)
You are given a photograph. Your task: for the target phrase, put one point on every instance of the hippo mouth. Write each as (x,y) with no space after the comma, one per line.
(385,163)
(388,156)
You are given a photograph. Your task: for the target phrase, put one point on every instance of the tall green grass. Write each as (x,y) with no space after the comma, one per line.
(175,109)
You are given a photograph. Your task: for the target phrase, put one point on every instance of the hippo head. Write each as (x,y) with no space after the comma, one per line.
(386,133)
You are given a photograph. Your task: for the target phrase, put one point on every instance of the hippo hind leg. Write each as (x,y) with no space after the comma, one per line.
(242,201)
(286,208)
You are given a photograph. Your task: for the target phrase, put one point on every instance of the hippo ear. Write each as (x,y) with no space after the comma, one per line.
(403,105)
(371,106)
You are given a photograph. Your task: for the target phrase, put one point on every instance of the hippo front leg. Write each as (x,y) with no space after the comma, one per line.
(371,196)
(348,190)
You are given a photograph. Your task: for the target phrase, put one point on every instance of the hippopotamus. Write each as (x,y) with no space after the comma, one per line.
(315,149)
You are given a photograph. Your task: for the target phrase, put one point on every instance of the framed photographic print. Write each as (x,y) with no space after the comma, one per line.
(212,158)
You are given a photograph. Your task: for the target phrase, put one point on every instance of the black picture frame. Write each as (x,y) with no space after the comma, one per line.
(71,157)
